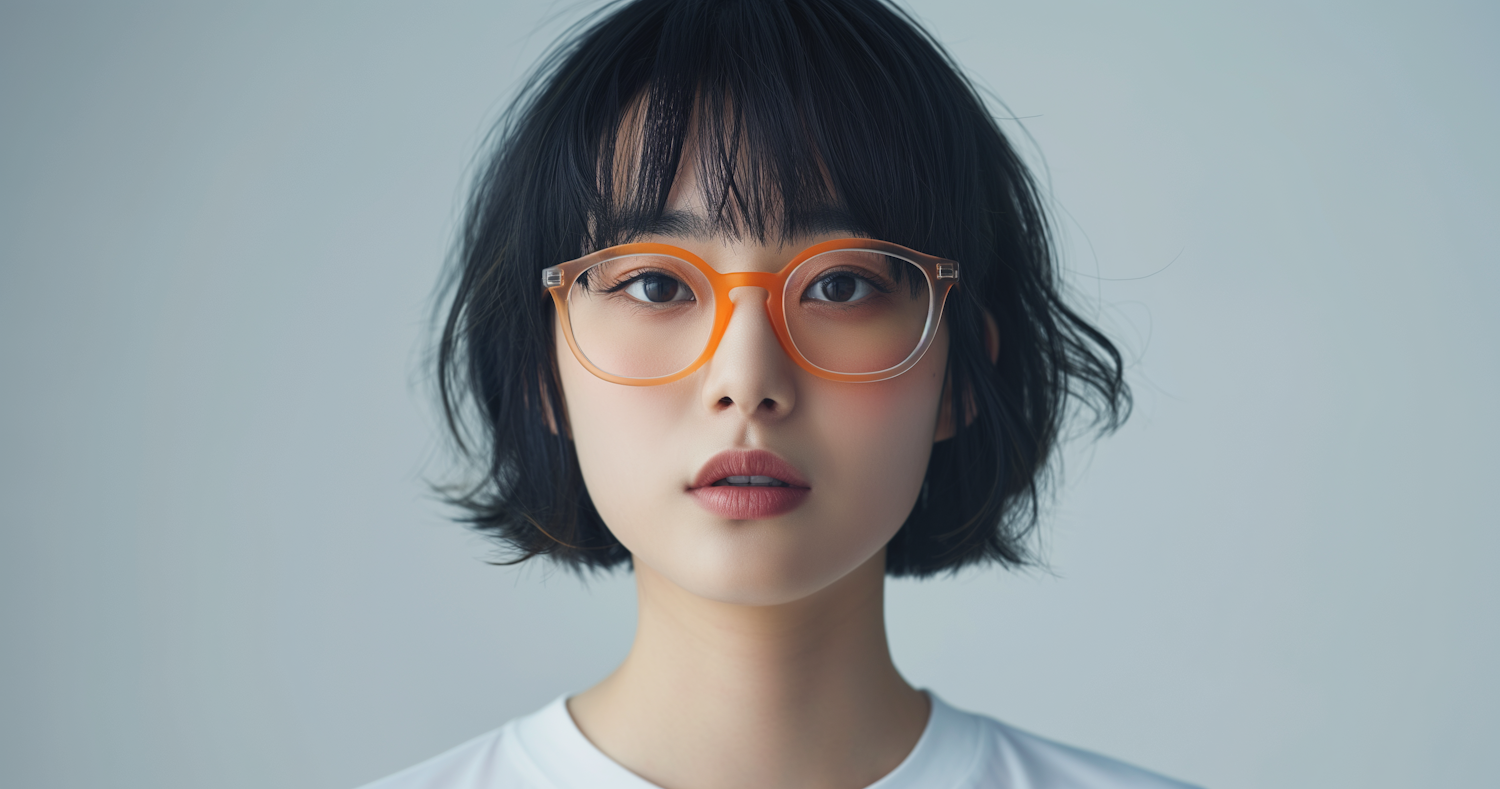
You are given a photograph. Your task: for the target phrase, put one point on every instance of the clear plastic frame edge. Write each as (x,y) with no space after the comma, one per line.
(942,276)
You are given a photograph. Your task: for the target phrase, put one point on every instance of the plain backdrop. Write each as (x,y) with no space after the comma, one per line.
(220,229)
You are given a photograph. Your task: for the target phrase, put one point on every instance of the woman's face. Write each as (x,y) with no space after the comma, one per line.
(859,449)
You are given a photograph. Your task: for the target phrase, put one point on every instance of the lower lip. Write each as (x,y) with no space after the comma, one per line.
(748,502)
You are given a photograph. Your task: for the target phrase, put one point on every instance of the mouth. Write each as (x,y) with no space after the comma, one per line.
(751,481)
(741,484)
(753,468)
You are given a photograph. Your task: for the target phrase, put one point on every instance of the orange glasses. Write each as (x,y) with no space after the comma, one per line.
(847,310)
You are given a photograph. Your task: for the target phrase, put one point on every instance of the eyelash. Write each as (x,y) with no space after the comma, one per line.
(642,274)
(857,274)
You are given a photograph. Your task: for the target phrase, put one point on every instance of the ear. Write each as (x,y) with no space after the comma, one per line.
(946,428)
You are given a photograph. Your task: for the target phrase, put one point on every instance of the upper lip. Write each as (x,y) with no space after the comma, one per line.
(747,462)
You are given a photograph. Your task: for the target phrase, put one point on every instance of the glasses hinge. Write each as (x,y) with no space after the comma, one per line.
(551,277)
(947,271)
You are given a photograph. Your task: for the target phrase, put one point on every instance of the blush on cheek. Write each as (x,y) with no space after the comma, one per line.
(880,436)
(878,439)
(897,417)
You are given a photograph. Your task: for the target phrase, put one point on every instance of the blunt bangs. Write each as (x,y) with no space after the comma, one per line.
(789,112)
(798,117)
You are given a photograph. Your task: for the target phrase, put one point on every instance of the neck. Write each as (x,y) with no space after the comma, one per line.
(721,696)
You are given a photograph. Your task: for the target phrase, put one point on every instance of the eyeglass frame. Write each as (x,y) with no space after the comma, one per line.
(941,273)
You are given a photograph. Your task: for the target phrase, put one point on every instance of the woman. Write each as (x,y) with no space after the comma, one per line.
(755,300)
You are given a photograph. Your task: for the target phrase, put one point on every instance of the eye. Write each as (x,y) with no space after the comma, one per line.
(657,288)
(839,286)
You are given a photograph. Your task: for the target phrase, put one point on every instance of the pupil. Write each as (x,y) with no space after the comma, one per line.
(839,287)
(660,288)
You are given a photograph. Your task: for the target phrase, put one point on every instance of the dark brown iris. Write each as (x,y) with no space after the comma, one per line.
(660,289)
(838,287)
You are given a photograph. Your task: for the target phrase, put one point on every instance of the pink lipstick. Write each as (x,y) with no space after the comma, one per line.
(748,484)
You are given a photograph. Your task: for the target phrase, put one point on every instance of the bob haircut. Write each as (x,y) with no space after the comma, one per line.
(793,111)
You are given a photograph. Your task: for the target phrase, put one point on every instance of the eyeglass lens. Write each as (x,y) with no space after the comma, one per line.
(847,311)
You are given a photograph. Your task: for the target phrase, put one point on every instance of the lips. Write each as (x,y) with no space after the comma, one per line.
(753,501)
(747,463)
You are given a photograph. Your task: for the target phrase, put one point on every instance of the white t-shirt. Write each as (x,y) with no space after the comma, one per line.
(957,750)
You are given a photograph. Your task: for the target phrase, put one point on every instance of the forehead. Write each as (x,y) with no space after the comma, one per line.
(716,177)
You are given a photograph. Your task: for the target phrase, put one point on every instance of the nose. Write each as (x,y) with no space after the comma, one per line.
(750,373)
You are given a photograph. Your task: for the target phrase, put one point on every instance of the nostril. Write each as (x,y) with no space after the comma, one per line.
(725,401)
(768,404)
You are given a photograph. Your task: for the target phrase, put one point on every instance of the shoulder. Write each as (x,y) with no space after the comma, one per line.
(492,759)
(543,750)
(1010,757)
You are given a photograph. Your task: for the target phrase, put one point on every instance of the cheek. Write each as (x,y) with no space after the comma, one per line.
(876,440)
(898,417)
(624,437)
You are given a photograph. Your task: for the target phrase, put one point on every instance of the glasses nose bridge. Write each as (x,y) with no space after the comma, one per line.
(748,279)
(769,283)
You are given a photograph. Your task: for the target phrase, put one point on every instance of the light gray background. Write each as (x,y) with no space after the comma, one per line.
(220,227)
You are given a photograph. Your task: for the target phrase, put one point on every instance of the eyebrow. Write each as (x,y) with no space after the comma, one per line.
(693,225)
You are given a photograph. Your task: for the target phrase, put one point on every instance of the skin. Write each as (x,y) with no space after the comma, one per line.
(760,657)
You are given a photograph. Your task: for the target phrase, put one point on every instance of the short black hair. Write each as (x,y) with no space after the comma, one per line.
(788,108)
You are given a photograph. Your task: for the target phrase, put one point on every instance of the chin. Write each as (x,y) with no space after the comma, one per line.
(753,592)
(760,569)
